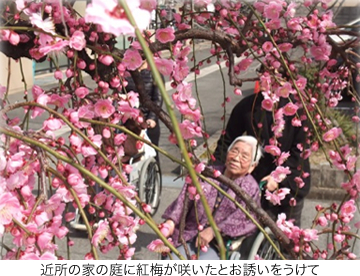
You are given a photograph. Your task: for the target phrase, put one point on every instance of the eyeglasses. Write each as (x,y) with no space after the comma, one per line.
(244,157)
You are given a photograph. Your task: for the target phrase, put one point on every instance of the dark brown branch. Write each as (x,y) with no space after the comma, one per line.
(232,78)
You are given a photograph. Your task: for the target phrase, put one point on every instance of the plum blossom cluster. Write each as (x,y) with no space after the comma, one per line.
(303,239)
(95,149)
(33,221)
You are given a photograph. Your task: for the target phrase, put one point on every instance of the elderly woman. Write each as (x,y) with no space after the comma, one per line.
(242,157)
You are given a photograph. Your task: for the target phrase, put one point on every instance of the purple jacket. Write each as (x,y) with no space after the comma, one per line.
(231,221)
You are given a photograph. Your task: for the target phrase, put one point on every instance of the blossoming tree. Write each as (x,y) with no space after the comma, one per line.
(65,170)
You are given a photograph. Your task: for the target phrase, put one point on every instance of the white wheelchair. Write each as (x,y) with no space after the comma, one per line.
(145,176)
(252,247)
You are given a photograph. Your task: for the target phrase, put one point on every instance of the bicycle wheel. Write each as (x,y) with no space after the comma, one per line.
(263,248)
(150,184)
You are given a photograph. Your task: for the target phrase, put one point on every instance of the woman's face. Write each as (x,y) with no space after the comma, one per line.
(238,160)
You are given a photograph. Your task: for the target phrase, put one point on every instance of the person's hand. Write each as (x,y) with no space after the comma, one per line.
(271,184)
(205,237)
(150,123)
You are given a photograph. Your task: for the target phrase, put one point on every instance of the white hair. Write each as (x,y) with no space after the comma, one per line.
(257,150)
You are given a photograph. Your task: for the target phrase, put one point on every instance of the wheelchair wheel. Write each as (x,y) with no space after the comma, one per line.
(235,256)
(150,184)
(263,248)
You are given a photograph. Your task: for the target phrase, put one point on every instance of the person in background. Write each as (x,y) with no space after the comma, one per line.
(242,157)
(249,117)
(153,127)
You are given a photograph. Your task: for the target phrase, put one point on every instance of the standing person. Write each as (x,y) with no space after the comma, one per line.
(249,117)
(152,120)
(242,157)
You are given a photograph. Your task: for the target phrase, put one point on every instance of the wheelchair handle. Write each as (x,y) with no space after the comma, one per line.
(262,184)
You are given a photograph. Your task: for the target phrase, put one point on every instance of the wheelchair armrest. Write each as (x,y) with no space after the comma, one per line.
(235,244)
(136,157)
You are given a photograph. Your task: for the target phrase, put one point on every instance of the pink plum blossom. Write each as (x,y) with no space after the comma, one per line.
(192,189)
(285,47)
(185,91)
(280,173)
(165,66)
(180,72)
(273,150)
(332,134)
(146,207)
(273,24)
(357,225)
(290,109)
(56,46)
(47,25)
(267,104)
(14,38)
(44,239)
(276,196)
(322,221)
(101,232)
(104,108)
(81,92)
(189,129)
(282,158)
(165,229)
(285,90)
(33,256)
(217,173)
(295,24)
(347,211)
(310,235)
(237,91)
(58,74)
(111,16)
(2,91)
(132,59)
(15,161)
(9,208)
(41,98)
(106,59)
(272,10)
(88,150)
(58,100)
(165,35)
(52,124)
(244,64)
(321,52)
(77,41)
(200,167)
(158,246)
(148,5)
(2,160)
(339,238)
(267,46)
